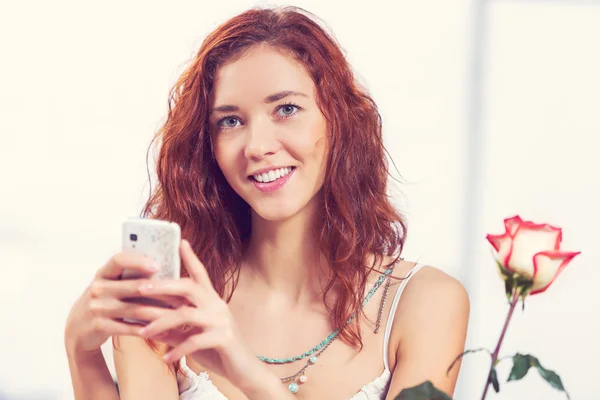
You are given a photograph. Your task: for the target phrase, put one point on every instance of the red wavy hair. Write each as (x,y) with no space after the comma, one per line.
(357,218)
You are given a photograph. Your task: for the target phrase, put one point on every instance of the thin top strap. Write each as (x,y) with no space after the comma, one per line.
(390,321)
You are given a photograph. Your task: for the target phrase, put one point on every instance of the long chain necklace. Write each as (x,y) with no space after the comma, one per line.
(300,376)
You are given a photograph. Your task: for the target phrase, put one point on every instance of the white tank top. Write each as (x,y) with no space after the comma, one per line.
(194,386)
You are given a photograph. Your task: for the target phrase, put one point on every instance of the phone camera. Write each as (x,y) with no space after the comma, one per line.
(133,237)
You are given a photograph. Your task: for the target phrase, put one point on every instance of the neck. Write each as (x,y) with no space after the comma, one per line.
(284,257)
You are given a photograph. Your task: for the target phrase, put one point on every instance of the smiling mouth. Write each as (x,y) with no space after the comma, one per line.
(272,176)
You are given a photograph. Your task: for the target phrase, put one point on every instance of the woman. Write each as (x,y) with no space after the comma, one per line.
(273,164)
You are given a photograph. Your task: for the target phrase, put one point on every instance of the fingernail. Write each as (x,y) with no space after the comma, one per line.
(154,267)
(144,331)
(167,358)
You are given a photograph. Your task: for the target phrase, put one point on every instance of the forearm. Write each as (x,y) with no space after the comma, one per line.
(91,378)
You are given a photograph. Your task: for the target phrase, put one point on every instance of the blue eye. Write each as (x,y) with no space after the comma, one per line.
(228,122)
(287,110)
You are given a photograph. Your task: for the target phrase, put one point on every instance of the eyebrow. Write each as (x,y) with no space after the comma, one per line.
(269,99)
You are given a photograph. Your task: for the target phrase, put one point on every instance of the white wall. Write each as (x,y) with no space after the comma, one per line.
(540,123)
(84,87)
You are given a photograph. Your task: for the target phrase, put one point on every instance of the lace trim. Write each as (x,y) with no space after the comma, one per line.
(198,383)
(201,384)
(377,386)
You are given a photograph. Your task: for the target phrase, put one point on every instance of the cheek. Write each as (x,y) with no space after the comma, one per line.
(311,152)
(313,143)
(321,148)
(320,144)
(323,154)
(226,157)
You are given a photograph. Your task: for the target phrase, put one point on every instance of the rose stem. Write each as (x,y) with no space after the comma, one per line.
(513,303)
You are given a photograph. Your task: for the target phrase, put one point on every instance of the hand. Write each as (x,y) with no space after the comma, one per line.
(203,328)
(98,312)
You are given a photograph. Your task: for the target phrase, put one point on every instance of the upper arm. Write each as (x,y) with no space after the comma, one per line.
(431,327)
(141,372)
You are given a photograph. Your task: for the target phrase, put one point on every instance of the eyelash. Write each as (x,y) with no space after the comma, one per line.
(279,107)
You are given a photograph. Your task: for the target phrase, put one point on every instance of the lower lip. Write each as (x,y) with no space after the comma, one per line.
(272,186)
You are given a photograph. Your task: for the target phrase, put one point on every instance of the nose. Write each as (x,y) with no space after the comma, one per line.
(261,139)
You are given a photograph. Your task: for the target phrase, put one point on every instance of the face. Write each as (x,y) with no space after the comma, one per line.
(268,134)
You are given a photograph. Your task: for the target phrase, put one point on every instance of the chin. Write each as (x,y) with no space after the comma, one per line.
(276,213)
(282,210)
(281,206)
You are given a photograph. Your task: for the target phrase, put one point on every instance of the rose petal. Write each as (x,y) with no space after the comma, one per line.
(502,245)
(511,224)
(548,265)
(546,228)
(530,239)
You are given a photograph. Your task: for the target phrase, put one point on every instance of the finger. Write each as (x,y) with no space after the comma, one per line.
(111,327)
(127,260)
(193,265)
(184,288)
(101,287)
(122,310)
(174,319)
(127,290)
(201,341)
(169,302)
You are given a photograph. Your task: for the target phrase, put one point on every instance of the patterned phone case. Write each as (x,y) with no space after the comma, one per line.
(156,239)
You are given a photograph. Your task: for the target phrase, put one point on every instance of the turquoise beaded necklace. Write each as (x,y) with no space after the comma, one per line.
(320,348)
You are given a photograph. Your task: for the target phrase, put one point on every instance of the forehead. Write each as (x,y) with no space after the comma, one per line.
(259,73)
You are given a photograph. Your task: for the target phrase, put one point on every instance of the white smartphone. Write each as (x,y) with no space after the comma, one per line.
(159,240)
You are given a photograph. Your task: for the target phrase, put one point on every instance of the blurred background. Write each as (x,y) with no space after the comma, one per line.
(490,109)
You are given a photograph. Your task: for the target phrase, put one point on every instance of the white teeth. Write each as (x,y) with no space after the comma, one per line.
(272,175)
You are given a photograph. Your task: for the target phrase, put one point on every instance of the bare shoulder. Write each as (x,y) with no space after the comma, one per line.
(431,292)
(433,303)
(428,292)
(435,284)
(429,330)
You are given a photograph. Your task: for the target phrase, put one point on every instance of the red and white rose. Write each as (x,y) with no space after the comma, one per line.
(532,251)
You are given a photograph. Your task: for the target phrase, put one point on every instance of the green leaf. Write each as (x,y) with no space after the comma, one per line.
(552,378)
(520,367)
(424,391)
(522,363)
(494,380)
